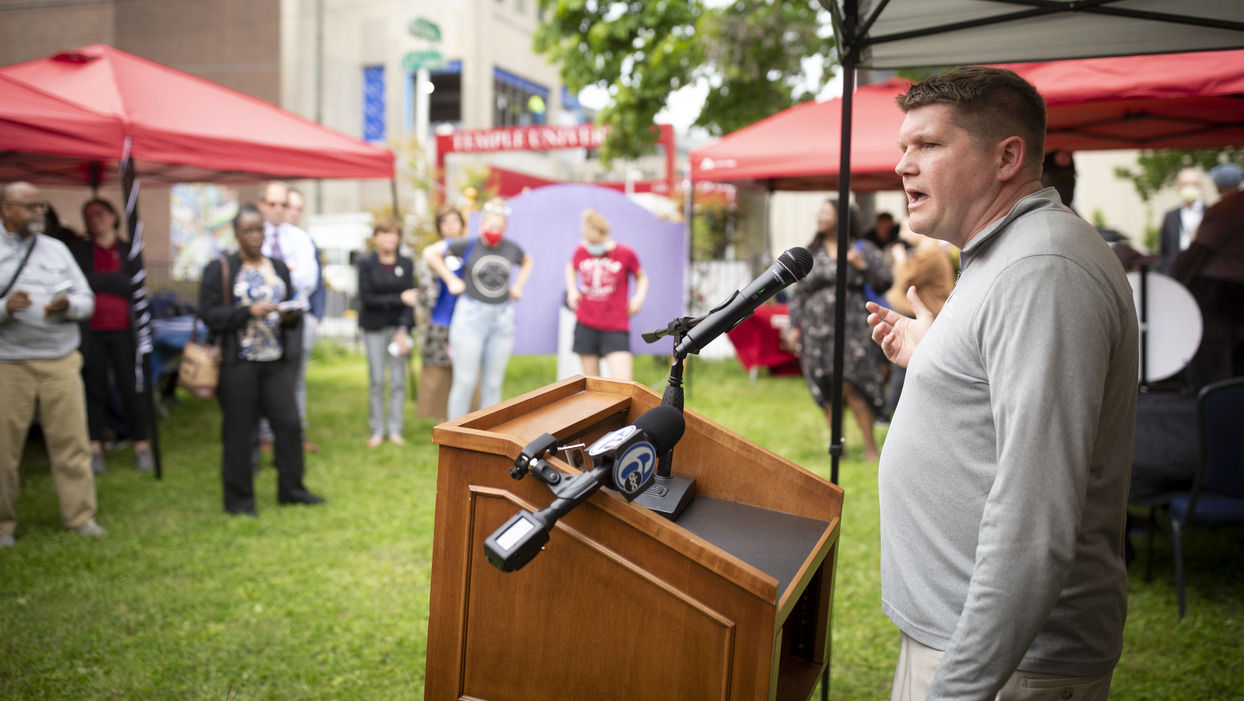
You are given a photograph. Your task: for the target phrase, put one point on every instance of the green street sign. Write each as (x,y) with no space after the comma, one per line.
(430,59)
(425,29)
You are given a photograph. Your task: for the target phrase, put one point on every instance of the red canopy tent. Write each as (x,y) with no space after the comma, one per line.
(49,128)
(181,128)
(797,148)
(93,114)
(1156,101)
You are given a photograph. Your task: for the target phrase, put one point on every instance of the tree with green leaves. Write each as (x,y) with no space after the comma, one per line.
(1157,169)
(757,57)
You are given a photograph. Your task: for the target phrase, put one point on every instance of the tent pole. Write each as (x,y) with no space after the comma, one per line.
(397,213)
(96,173)
(840,284)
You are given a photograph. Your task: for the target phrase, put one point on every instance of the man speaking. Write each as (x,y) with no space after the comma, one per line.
(1003,481)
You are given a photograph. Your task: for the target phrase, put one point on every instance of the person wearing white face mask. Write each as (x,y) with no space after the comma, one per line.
(597,278)
(1179,225)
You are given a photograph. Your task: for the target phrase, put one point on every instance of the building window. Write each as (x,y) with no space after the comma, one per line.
(518,102)
(444,101)
(445,106)
(373,103)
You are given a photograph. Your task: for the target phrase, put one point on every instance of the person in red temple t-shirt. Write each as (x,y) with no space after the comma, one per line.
(597,289)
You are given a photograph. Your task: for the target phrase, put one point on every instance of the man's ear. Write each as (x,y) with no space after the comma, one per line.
(1011,152)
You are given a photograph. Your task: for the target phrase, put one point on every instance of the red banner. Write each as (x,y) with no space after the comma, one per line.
(541,138)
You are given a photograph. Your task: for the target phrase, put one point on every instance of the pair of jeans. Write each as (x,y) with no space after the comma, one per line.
(380,363)
(481,337)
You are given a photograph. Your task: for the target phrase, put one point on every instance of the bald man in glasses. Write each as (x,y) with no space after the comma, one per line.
(43,296)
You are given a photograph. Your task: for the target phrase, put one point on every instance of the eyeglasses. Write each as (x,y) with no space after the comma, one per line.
(32,207)
(276,204)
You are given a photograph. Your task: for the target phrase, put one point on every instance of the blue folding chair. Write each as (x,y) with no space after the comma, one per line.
(1217,496)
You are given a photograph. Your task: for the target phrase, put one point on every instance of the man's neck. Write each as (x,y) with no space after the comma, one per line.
(1002,204)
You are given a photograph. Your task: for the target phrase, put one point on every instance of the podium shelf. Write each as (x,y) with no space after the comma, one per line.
(773,542)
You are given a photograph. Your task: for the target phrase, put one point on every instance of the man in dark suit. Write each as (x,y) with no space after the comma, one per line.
(1179,225)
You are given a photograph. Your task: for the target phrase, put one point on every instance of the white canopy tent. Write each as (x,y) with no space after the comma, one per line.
(888,34)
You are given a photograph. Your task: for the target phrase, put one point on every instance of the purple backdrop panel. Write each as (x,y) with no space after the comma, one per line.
(546,222)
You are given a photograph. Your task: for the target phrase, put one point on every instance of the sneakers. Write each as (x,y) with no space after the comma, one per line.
(90,528)
(97,464)
(143,461)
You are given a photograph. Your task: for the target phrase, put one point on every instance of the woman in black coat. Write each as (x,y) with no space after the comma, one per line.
(108,337)
(260,332)
(387,295)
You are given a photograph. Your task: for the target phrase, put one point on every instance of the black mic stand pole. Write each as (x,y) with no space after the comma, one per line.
(669,494)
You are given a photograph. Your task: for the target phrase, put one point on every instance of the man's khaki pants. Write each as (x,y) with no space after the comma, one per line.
(918,663)
(55,386)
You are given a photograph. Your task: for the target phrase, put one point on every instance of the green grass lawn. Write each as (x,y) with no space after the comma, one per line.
(181,602)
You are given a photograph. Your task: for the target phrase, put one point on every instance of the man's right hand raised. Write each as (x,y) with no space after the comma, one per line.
(898,335)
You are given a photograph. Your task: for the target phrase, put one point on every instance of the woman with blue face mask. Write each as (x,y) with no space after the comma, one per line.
(597,289)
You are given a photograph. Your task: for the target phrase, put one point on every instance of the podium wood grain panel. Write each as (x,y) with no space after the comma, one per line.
(608,623)
(623,603)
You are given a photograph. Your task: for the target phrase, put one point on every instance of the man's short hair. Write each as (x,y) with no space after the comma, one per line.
(268,186)
(990,103)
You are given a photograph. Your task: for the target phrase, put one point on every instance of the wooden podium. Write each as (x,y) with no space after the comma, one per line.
(730,601)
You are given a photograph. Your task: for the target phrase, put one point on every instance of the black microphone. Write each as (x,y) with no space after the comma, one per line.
(625,458)
(790,267)
(632,451)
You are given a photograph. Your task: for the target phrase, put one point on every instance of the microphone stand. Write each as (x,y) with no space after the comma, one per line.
(669,494)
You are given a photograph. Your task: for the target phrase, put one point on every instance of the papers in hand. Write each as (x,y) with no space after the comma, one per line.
(293,305)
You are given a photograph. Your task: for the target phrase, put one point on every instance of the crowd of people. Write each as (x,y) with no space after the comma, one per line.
(1017,361)
(72,303)
(882,265)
